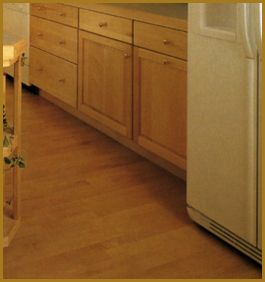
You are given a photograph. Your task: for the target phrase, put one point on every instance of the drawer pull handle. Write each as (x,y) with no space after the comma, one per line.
(62,14)
(61,79)
(40,8)
(102,24)
(126,56)
(61,42)
(165,42)
(39,34)
(39,69)
(165,62)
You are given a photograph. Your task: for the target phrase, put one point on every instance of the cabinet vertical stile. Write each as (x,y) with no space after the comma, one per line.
(13,48)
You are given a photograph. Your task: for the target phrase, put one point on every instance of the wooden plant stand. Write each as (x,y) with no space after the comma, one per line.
(13,48)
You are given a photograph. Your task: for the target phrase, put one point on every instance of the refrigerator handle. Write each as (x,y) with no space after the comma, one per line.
(245,27)
(257,18)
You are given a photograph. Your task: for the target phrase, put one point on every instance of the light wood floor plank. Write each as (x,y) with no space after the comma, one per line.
(92,208)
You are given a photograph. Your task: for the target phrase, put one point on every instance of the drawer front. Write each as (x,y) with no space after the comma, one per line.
(110,26)
(164,40)
(54,38)
(56,12)
(54,75)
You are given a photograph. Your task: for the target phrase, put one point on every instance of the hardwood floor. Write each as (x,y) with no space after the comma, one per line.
(92,208)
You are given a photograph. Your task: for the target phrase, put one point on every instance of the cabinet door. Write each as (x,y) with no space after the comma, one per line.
(160,105)
(105,81)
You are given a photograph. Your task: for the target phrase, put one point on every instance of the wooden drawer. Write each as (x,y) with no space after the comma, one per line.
(54,38)
(56,12)
(161,39)
(54,75)
(110,26)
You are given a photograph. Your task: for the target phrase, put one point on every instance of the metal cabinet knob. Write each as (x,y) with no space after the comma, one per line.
(165,62)
(39,69)
(39,34)
(40,8)
(126,56)
(61,14)
(102,24)
(61,42)
(61,79)
(165,41)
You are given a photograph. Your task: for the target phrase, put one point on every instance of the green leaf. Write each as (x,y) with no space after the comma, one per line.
(5,142)
(7,160)
(21,165)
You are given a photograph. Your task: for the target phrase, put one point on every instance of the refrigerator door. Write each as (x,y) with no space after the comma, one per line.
(257,17)
(222,121)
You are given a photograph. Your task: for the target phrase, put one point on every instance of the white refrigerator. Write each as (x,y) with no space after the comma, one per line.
(224,183)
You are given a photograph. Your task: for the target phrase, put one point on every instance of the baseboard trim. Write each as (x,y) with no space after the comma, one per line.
(180,173)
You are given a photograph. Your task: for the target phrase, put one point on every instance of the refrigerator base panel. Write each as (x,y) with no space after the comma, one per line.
(225,234)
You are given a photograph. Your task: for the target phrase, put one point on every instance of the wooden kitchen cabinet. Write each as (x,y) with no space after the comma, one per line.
(121,69)
(54,38)
(161,39)
(106,25)
(54,75)
(160,91)
(56,12)
(160,105)
(105,81)
(54,50)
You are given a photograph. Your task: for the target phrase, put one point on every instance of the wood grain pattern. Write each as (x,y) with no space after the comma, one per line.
(148,12)
(160,105)
(106,25)
(54,75)
(164,40)
(13,47)
(105,81)
(55,38)
(180,173)
(11,219)
(92,208)
(56,12)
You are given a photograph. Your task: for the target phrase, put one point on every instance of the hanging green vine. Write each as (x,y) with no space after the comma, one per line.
(8,131)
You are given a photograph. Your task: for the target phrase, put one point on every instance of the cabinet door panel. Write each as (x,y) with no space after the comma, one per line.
(105,81)
(160,105)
